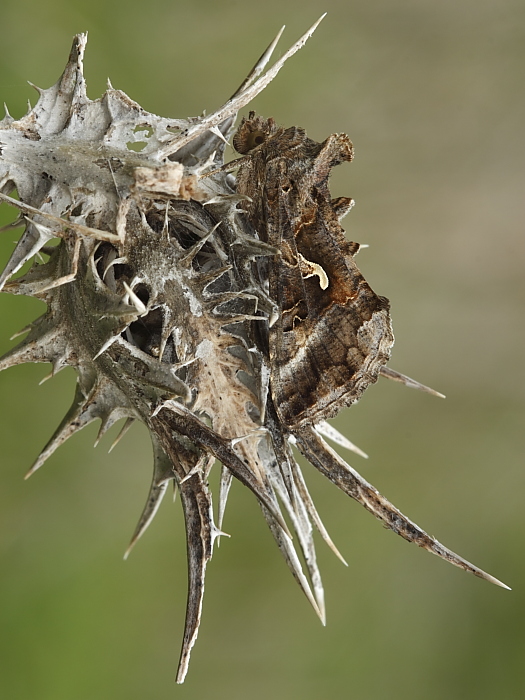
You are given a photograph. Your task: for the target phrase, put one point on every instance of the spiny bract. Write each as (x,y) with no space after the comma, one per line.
(153,293)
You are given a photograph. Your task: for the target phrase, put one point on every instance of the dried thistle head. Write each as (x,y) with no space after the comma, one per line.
(156,293)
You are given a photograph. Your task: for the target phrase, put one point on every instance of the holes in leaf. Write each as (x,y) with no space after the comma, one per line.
(136,146)
(145,131)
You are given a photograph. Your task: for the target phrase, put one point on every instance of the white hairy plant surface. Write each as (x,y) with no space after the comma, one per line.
(156,292)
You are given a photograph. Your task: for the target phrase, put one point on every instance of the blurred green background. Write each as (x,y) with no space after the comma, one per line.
(431,93)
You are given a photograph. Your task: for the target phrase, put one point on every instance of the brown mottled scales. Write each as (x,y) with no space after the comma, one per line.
(333,333)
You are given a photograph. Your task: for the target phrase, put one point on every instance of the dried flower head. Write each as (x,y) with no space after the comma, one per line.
(158,295)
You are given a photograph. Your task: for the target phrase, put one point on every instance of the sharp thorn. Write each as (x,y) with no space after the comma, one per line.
(390,373)
(48,376)
(127,425)
(106,345)
(137,303)
(335,436)
(217,132)
(21,332)
(240,100)
(186,259)
(260,65)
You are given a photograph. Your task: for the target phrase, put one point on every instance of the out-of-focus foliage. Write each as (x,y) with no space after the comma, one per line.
(431,95)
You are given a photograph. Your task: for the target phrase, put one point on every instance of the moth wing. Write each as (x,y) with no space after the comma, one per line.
(333,333)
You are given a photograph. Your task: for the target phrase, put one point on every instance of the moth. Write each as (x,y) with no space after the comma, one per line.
(332,335)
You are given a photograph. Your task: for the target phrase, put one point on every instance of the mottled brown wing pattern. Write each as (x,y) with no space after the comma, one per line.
(333,333)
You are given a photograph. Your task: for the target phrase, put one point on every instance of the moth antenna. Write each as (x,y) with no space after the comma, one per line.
(226,168)
(390,373)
